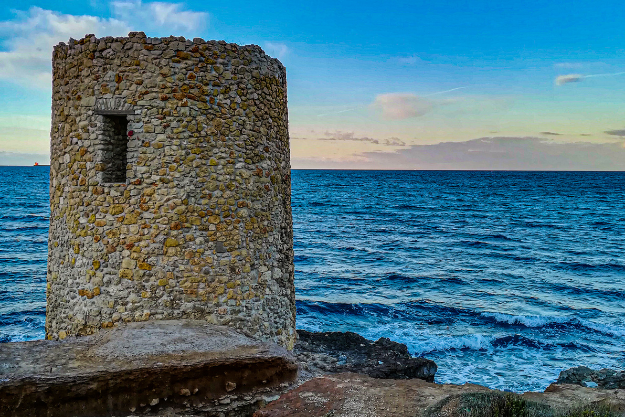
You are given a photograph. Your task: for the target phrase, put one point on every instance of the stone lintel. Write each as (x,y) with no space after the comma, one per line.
(106,112)
(142,368)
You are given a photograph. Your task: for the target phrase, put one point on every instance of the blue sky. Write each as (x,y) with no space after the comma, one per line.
(375,85)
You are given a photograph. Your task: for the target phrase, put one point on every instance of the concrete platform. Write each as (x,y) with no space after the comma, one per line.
(147,368)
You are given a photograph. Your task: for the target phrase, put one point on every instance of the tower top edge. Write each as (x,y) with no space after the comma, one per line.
(177,41)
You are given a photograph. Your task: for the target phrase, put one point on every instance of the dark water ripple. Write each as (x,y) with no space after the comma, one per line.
(503,279)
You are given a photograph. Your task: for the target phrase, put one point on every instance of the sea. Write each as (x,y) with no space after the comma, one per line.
(504,279)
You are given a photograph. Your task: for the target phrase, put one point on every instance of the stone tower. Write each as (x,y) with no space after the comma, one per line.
(170,188)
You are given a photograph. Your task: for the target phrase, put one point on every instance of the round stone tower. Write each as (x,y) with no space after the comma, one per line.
(170,187)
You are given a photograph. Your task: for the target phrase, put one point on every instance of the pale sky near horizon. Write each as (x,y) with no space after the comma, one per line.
(430,85)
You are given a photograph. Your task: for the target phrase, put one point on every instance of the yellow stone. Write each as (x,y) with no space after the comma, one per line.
(162,282)
(125,273)
(128,263)
(62,334)
(130,219)
(145,266)
(171,242)
(96,265)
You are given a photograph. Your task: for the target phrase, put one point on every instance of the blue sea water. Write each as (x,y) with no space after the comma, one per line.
(502,278)
(24,221)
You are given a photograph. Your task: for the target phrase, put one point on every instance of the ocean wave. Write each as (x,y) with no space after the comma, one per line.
(555,321)
(499,237)
(476,342)
(25,228)
(583,266)
(604,328)
(527,321)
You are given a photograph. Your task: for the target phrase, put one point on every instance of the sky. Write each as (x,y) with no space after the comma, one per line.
(534,85)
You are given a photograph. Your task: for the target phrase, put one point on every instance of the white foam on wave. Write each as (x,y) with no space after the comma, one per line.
(420,341)
(604,328)
(439,343)
(542,321)
(527,321)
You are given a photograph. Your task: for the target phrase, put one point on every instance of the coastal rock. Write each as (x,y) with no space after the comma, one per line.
(584,376)
(333,352)
(349,395)
(168,367)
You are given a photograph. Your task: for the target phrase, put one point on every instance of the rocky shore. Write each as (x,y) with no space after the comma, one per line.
(192,369)
(335,352)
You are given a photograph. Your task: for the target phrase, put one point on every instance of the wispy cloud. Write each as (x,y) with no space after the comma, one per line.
(578,65)
(398,106)
(408,60)
(572,78)
(340,136)
(156,15)
(340,111)
(609,74)
(569,78)
(494,153)
(276,49)
(446,91)
(32,34)
(551,133)
(568,65)
(618,132)
(508,153)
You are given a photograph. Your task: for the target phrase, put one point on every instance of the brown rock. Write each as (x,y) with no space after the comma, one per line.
(141,367)
(349,395)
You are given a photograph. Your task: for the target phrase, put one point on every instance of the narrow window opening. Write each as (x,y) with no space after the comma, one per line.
(115,147)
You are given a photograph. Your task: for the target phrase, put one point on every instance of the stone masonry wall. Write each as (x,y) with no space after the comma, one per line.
(201,227)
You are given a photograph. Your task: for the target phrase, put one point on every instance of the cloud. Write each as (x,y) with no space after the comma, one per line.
(568,65)
(408,60)
(276,49)
(491,153)
(551,133)
(573,78)
(30,36)
(569,78)
(507,153)
(339,136)
(619,132)
(399,106)
(157,15)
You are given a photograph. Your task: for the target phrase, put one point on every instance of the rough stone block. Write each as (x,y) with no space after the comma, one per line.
(142,368)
